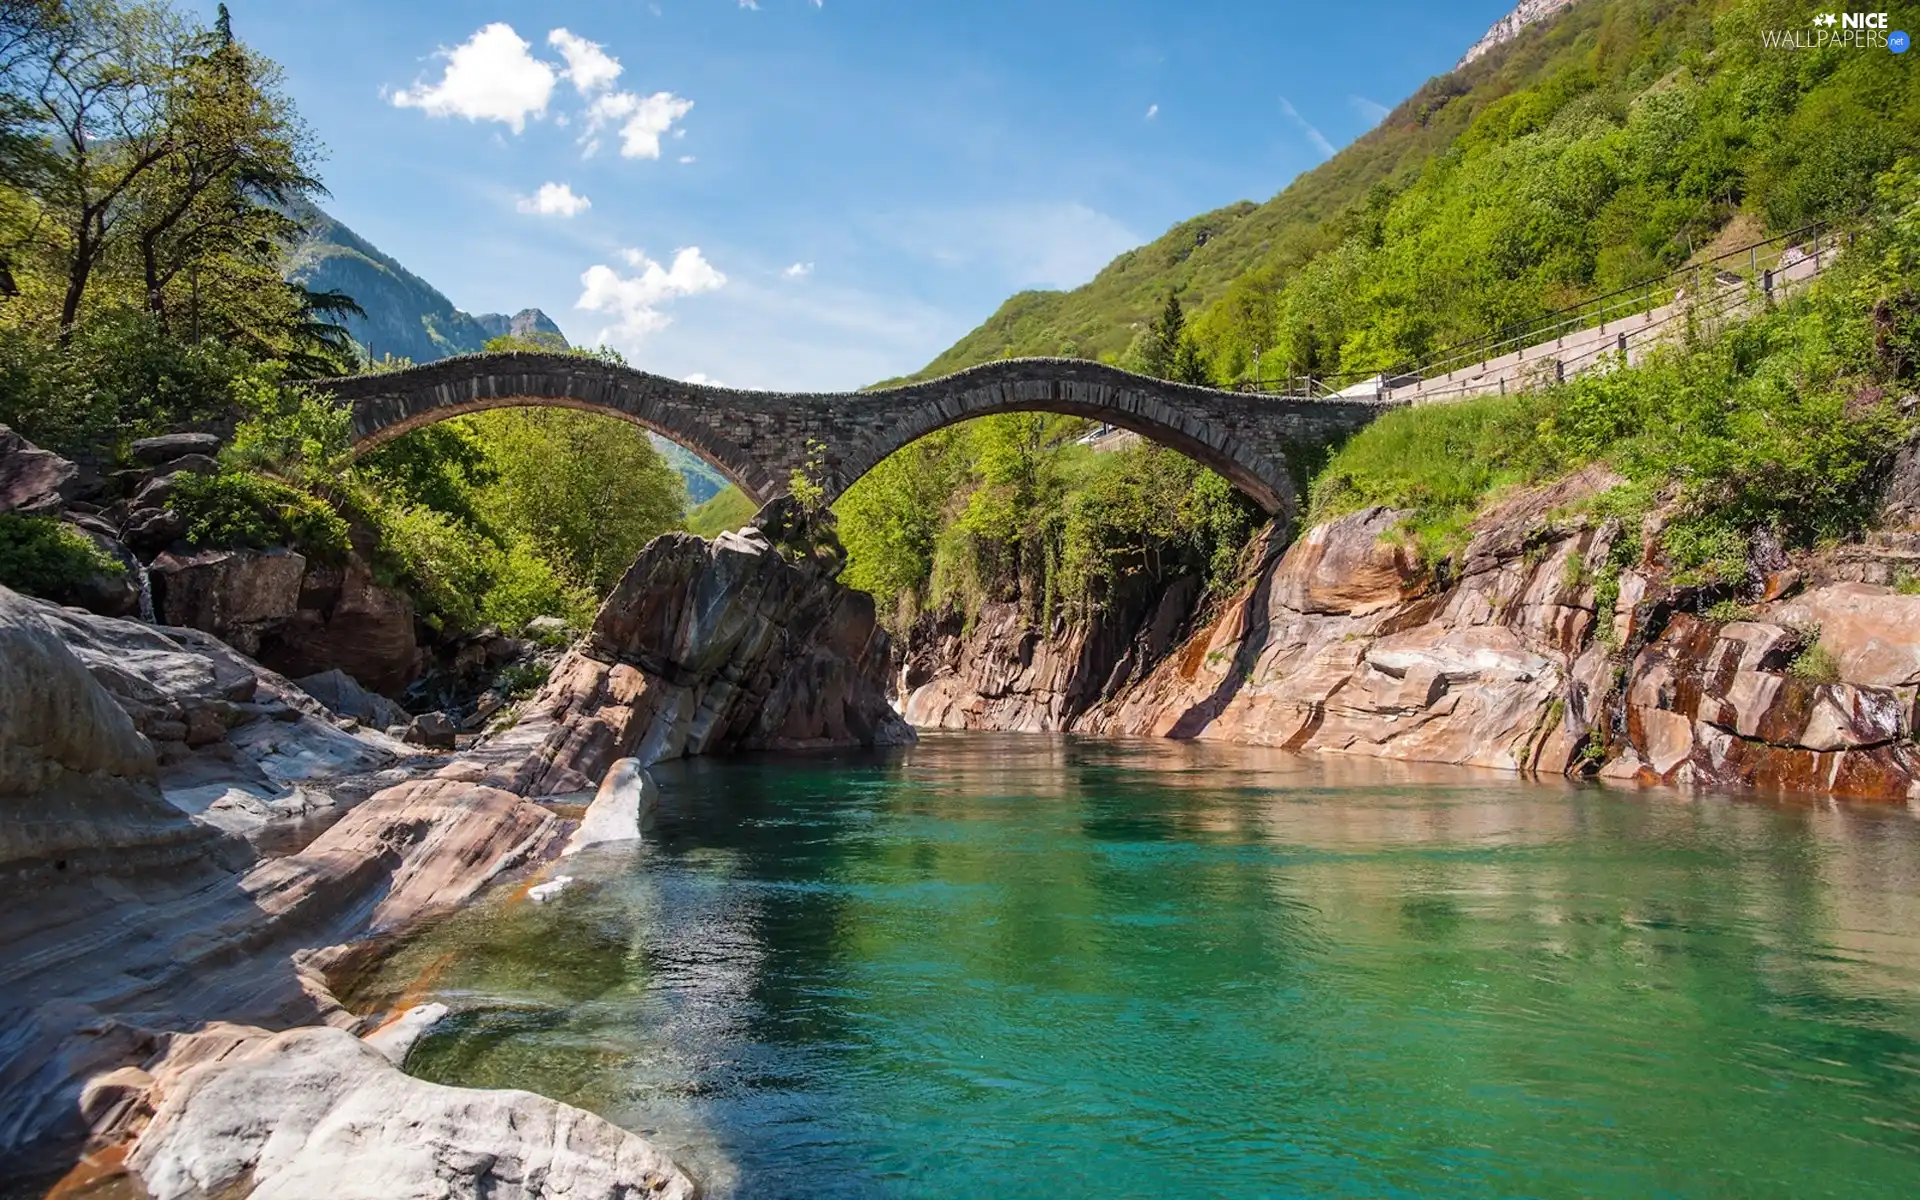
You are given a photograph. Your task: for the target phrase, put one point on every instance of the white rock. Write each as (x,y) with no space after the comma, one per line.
(540,893)
(397,1037)
(626,797)
(316,1112)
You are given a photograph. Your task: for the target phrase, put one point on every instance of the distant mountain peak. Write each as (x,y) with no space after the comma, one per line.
(529,323)
(406,316)
(1507,28)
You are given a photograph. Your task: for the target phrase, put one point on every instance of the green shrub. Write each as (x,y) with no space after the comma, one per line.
(438,560)
(42,556)
(1906,583)
(237,508)
(523,679)
(1728,611)
(1815,664)
(524,585)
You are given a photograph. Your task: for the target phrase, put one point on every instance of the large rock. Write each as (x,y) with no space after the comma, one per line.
(706,648)
(33,481)
(343,696)
(167,447)
(232,594)
(79,785)
(316,1112)
(346,620)
(1504,667)
(239,745)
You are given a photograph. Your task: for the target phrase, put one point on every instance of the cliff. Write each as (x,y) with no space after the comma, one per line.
(1522,659)
(1507,28)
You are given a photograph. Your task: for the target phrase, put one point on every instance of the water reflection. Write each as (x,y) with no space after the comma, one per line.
(1042,966)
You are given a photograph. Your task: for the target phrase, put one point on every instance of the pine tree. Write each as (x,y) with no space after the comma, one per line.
(223,27)
(1190,364)
(1163,338)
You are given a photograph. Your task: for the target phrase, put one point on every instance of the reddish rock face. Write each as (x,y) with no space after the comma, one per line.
(1714,705)
(1345,645)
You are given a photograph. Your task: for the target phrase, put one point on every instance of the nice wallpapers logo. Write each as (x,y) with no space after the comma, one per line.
(1840,31)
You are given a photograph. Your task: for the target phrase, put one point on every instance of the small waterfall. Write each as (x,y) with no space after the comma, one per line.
(146,592)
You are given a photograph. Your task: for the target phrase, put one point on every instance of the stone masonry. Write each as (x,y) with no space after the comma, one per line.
(757,439)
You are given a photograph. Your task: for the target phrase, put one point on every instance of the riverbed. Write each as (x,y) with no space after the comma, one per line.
(1039,966)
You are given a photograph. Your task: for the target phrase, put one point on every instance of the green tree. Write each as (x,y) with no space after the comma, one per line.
(1163,337)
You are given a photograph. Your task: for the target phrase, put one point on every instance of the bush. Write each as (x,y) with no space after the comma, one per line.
(1815,664)
(236,508)
(119,378)
(42,556)
(440,561)
(525,585)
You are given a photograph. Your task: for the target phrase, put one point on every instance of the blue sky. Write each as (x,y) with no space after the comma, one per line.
(807,194)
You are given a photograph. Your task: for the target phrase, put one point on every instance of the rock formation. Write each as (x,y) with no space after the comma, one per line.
(140,918)
(1345,644)
(705,648)
(1529,12)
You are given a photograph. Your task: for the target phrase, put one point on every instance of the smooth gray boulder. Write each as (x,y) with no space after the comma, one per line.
(33,481)
(343,696)
(167,447)
(79,785)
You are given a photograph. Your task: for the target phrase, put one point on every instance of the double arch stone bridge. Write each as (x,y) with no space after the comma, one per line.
(757,439)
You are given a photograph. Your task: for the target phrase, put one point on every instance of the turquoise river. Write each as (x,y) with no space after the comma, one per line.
(1007,966)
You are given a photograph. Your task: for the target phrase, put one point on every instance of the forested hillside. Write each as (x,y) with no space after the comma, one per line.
(1609,144)
(1604,146)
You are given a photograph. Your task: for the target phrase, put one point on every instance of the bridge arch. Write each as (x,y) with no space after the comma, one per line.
(757,439)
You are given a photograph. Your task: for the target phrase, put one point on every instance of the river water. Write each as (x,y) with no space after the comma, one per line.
(996,965)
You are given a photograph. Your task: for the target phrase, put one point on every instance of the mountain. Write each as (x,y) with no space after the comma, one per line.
(529,323)
(1580,148)
(406,316)
(1508,27)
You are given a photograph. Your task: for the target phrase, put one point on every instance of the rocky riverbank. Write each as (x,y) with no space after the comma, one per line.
(1530,654)
(166,979)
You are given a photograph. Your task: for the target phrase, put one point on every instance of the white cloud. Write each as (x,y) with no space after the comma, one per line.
(1318,139)
(589,67)
(701,377)
(798,270)
(641,120)
(489,77)
(1371,111)
(554,200)
(634,302)
(1153,110)
(685,159)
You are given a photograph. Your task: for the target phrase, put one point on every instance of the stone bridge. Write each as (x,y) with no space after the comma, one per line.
(757,439)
